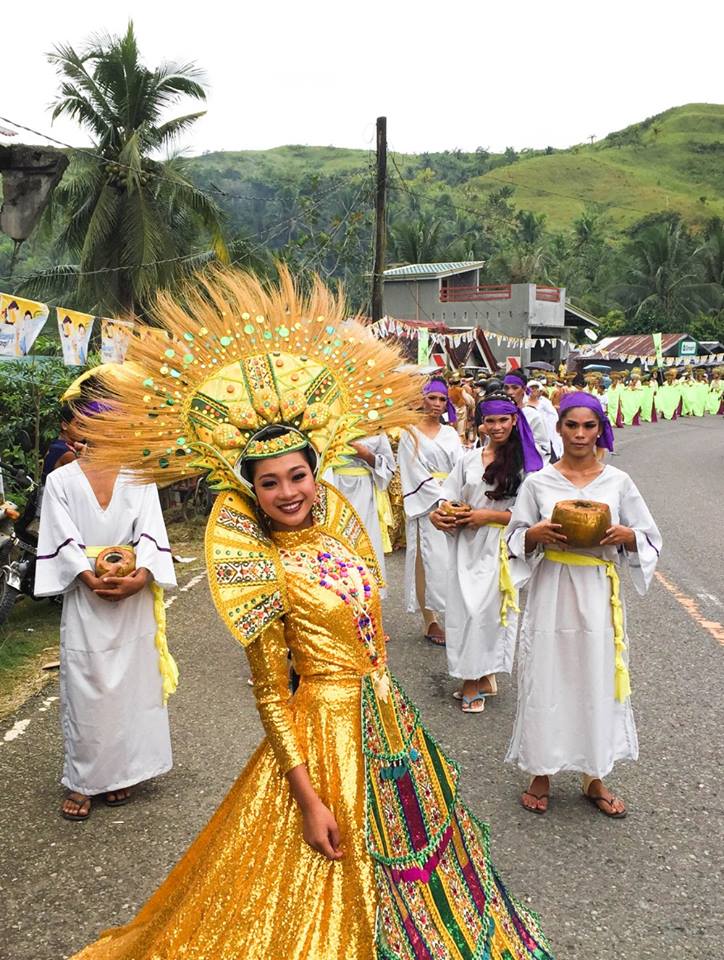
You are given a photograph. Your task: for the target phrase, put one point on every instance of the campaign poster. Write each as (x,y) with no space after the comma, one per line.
(75,332)
(20,323)
(115,337)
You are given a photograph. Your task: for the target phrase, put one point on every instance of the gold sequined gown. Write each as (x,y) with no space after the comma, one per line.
(249,887)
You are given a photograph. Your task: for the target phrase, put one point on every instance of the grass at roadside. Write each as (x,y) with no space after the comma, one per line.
(28,640)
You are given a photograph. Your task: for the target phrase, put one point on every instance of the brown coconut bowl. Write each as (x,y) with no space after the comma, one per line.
(584,522)
(115,562)
(454,508)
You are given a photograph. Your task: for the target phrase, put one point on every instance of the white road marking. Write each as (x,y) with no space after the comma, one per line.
(184,589)
(192,582)
(710,598)
(17,730)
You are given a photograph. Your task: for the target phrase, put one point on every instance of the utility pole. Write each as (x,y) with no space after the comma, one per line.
(380,224)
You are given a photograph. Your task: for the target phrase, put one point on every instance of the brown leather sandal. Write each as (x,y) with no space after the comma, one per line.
(80,800)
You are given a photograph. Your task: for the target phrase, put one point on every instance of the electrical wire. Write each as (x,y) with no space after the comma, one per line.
(88,152)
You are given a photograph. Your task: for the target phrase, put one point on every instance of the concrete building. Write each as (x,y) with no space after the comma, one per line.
(451,293)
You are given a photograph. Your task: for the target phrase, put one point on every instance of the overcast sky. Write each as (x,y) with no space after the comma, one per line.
(456,74)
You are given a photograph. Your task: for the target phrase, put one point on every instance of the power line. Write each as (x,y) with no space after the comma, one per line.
(88,152)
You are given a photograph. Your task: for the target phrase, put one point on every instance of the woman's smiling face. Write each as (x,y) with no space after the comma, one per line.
(286,490)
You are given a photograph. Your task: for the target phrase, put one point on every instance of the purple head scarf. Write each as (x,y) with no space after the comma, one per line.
(439,386)
(94,406)
(587,400)
(532,460)
(513,380)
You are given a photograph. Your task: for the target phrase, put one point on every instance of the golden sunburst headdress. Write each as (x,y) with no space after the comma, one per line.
(236,357)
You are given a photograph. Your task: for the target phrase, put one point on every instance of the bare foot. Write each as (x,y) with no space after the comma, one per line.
(488,685)
(76,806)
(602,798)
(535,798)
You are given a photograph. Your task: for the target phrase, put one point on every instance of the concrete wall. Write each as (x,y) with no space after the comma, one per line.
(521,315)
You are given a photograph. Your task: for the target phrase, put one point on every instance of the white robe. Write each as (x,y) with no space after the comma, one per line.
(549,416)
(567,717)
(421,492)
(360,491)
(539,430)
(115,726)
(477,642)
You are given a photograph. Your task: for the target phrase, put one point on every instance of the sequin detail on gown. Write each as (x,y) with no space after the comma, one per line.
(416,881)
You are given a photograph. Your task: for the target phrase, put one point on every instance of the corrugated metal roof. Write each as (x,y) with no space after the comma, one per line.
(428,270)
(641,344)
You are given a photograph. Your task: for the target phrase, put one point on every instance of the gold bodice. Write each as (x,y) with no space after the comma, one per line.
(333,630)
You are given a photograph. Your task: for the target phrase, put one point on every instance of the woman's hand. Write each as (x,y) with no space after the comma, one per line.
(118,588)
(482,517)
(542,533)
(320,830)
(90,580)
(447,522)
(618,534)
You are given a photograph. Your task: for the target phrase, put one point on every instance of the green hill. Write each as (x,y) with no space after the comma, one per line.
(673,161)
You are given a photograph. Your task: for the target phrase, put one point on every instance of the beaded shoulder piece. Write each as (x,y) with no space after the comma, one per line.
(246,577)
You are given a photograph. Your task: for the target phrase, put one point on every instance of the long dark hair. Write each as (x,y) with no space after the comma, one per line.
(506,468)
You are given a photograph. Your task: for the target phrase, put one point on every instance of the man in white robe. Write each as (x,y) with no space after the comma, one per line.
(113,717)
(364,481)
(515,386)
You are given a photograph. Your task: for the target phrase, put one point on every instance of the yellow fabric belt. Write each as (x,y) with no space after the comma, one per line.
(166,663)
(382,503)
(622,681)
(440,476)
(505,581)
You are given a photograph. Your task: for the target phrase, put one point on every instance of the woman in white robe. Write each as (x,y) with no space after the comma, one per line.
(574,710)
(113,717)
(364,481)
(426,457)
(481,599)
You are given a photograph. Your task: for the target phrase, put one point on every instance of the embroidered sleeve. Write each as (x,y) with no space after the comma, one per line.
(267,656)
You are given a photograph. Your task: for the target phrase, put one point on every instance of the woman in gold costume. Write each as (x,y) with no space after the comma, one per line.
(344,836)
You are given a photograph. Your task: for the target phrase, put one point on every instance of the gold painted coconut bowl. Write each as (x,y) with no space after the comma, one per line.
(115,562)
(454,508)
(584,522)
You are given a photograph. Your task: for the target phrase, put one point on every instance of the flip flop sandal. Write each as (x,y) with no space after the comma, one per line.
(435,639)
(119,801)
(77,817)
(613,814)
(493,692)
(536,796)
(467,703)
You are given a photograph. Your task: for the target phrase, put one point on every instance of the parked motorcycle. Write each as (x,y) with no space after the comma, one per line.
(18,541)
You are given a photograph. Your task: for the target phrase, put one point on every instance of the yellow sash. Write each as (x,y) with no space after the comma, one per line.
(166,663)
(622,681)
(440,476)
(382,503)
(505,581)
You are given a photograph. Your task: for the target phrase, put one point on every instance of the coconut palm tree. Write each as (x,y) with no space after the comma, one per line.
(665,280)
(131,220)
(417,240)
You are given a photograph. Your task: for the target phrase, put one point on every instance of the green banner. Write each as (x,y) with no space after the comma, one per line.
(657,348)
(423,346)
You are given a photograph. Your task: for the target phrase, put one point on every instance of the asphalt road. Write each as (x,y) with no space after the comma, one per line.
(644,888)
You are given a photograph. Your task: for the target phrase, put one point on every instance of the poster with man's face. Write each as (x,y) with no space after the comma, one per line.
(75,331)
(20,323)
